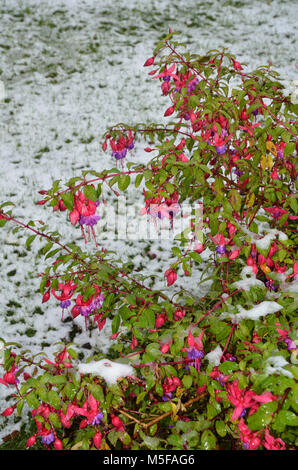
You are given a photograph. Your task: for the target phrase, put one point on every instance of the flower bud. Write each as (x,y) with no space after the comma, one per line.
(97,440)
(46,296)
(149,62)
(169,111)
(31,441)
(171,276)
(58,444)
(8,411)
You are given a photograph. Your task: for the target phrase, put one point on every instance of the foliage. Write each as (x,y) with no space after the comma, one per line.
(209,373)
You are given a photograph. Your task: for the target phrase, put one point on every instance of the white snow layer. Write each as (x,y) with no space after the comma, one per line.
(248,280)
(108,370)
(214,356)
(275,365)
(260,310)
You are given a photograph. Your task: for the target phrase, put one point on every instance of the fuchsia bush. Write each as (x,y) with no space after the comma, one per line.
(217,372)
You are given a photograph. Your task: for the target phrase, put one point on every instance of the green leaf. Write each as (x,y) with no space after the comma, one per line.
(54,419)
(208,440)
(116,323)
(176,441)
(20,407)
(97,392)
(32,400)
(42,393)
(68,200)
(123,182)
(90,192)
(221,428)
(54,399)
(235,199)
(262,417)
(29,241)
(70,390)
(187,381)
(285,418)
(138,180)
(58,380)
(228,367)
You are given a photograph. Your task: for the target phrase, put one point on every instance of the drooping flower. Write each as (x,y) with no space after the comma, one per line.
(244,399)
(171,276)
(272,443)
(67,291)
(195,350)
(251,440)
(48,438)
(83,212)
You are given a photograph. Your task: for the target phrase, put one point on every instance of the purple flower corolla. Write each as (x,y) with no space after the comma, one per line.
(85,310)
(131,145)
(119,154)
(48,439)
(192,85)
(167,396)
(221,149)
(166,78)
(239,173)
(221,249)
(197,355)
(89,220)
(65,303)
(97,419)
(97,302)
(290,343)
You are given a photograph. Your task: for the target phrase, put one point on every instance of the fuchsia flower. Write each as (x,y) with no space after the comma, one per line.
(237,65)
(179,314)
(84,212)
(244,399)
(160,320)
(284,336)
(149,62)
(277,212)
(271,443)
(67,291)
(219,143)
(170,384)
(221,243)
(171,276)
(195,350)
(168,73)
(251,440)
(160,207)
(117,423)
(120,147)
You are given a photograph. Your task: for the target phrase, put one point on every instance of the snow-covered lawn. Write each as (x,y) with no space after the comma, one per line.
(70,69)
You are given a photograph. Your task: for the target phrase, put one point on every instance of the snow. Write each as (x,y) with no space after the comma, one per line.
(261,310)
(263,240)
(248,280)
(108,370)
(276,364)
(214,356)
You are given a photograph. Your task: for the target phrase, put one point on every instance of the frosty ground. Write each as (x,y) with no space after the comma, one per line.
(70,69)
